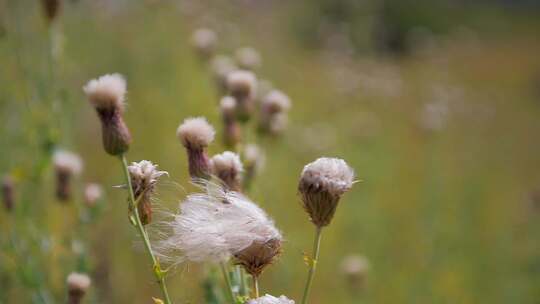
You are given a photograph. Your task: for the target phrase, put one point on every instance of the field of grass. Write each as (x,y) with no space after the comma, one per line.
(444,142)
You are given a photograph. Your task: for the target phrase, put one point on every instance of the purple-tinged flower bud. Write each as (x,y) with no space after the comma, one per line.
(8,192)
(66,166)
(231,128)
(228,168)
(204,41)
(248,58)
(107,95)
(242,86)
(322,184)
(144,176)
(77,285)
(196,134)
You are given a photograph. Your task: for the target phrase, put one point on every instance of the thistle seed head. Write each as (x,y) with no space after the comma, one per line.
(66,165)
(8,192)
(231,128)
(321,185)
(92,194)
(260,254)
(268,299)
(77,285)
(275,102)
(242,86)
(248,58)
(254,160)
(221,66)
(228,168)
(144,177)
(195,133)
(355,269)
(204,40)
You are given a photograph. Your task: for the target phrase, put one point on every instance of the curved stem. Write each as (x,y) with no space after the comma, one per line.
(227,281)
(142,231)
(313,264)
(255,286)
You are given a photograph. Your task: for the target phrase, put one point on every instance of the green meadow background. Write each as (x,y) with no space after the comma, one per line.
(441,123)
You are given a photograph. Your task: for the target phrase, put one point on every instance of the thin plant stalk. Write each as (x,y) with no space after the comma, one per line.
(142,231)
(227,281)
(313,263)
(255,287)
(243,283)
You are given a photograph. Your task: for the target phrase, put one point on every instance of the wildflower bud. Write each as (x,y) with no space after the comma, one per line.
(355,268)
(248,58)
(77,284)
(51,8)
(228,167)
(268,299)
(66,165)
(196,134)
(92,194)
(221,66)
(242,86)
(273,117)
(231,128)
(8,192)
(144,176)
(253,163)
(321,185)
(204,41)
(256,257)
(107,95)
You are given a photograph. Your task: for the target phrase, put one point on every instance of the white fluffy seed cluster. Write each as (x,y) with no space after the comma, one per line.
(254,156)
(144,174)
(227,105)
(354,264)
(248,58)
(242,81)
(67,161)
(195,133)
(204,40)
(268,299)
(107,92)
(226,162)
(78,281)
(214,225)
(276,101)
(330,174)
(92,193)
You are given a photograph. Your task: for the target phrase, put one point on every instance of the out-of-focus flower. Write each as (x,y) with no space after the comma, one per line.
(228,168)
(204,40)
(248,58)
(66,165)
(77,284)
(196,134)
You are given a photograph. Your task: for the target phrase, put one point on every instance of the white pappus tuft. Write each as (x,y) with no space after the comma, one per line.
(268,299)
(107,92)
(68,162)
(195,133)
(333,175)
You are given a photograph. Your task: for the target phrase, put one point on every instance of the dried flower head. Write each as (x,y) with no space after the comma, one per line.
(8,192)
(221,66)
(228,168)
(355,268)
(92,194)
(144,177)
(276,102)
(231,128)
(77,284)
(218,224)
(273,116)
(204,41)
(254,160)
(196,134)
(248,58)
(268,299)
(66,165)
(242,86)
(51,8)
(107,95)
(321,185)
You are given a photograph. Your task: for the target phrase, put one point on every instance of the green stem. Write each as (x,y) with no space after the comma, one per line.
(313,264)
(255,286)
(227,281)
(243,284)
(142,231)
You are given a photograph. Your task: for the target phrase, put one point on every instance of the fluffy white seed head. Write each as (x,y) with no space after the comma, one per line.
(227,105)
(254,156)
(354,265)
(78,282)
(276,102)
(215,225)
(107,92)
(226,161)
(204,40)
(333,175)
(248,58)
(196,133)
(268,299)
(241,82)
(68,162)
(144,174)
(92,193)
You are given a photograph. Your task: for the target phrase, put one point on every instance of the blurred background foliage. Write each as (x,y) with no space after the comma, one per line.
(436,104)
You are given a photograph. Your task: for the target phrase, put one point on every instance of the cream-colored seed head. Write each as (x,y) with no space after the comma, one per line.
(276,101)
(107,92)
(354,265)
(333,175)
(204,40)
(68,162)
(144,174)
(242,82)
(248,58)
(195,133)
(92,193)
(78,282)
(226,161)
(268,299)
(227,105)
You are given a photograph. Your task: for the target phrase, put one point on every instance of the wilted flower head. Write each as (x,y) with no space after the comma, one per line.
(66,165)
(242,86)
(107,95)
(51,8)
(144,177)
(204,40)
(92,193)
(268,299)
(77,284)
(228,168)
(321,185)
(219,224)
(254,160)
(231,128)
(196,134)
(248,58)
(221,66)
(274,107)
(8,192)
